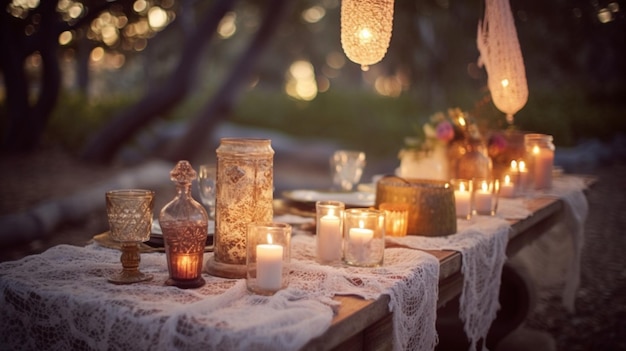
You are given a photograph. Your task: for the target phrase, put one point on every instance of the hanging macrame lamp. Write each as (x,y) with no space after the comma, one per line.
(501,55)
(366,30)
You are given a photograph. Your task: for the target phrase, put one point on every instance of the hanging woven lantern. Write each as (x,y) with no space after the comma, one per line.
(366,30)
(501,55)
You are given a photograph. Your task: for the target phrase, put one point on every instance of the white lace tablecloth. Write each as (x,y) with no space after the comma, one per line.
(61,300)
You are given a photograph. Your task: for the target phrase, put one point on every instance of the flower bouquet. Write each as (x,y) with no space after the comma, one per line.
(428,155)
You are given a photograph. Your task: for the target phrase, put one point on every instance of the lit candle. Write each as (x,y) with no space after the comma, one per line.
(507,188)
(329,241)
(396,218)
(543,160)
(483,199)
(184,268)
(523,175)
(269,260)
(359,242)
(462,201)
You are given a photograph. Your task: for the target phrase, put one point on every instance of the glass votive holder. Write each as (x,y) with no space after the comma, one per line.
(485,196)
(523,177)
(329,231)
(396,218)
(462,197)
(267,258)
(508,186)
(364,237)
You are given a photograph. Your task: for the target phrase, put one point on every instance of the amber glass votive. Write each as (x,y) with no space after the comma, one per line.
(396,218)
(462,197)
(364,237)
(267,259)
(485,196)
(329,231)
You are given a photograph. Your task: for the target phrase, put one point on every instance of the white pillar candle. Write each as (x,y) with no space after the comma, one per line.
(507,188)
(483,199)
(359,242)
(329,241)
(543,160)
(269,260)
(462,201)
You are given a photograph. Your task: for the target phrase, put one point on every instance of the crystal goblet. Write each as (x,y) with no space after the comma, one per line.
(129,212)
(206,185)
(347,168)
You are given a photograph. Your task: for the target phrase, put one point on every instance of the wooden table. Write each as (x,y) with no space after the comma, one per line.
(367,324)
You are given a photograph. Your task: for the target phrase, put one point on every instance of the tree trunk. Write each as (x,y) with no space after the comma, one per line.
(108,140)
(219,106)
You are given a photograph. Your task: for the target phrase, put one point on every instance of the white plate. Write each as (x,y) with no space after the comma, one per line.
(354,199)
(156,228)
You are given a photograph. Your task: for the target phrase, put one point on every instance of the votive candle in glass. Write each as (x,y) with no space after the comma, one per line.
(540,153)
(523,176)
(462,197)
(396,218)
(329,231)
(485,197)
(267,258)
(364,237)
(507,187)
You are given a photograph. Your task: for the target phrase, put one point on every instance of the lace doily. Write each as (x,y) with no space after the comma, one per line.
(60,299)
(482,243)
(553,260)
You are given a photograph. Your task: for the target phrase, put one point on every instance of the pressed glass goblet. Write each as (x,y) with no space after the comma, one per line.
(206,185)
(130,220)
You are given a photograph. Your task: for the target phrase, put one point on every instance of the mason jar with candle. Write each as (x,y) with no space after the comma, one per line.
(267,257)
(329,231)
(364,237)
(244,194)
(540,157)
(462,197)
(485,196)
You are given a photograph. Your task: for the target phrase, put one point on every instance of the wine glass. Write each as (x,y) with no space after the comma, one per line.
(130,220)
(347,168)
(206,185)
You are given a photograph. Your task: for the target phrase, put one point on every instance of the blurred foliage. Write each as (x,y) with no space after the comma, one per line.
(76,117)
(575,68)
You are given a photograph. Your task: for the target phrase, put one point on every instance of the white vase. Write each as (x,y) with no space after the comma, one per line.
(416,164)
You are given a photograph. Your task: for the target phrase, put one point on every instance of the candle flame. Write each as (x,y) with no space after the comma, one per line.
(535,150)
(462,187)
(507,179)
(522,166)
(485,186)
(269,238)
(462,121)
(514,164)
(361,224)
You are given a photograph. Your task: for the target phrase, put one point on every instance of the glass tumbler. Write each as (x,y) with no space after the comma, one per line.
(329,231)
(364,237)
(347,168)
(267,259)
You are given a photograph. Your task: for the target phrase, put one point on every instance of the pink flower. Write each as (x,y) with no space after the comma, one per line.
(445,132)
